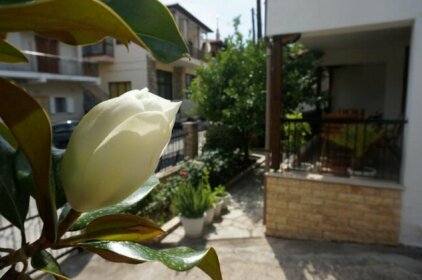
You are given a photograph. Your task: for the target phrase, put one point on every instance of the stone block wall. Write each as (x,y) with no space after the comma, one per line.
(308,209)
(190,140)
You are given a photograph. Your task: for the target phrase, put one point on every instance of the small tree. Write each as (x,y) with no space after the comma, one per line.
(231,89)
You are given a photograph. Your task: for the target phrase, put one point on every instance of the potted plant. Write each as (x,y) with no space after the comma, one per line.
(358,138)
(222,197)
(210,201)
(191,203)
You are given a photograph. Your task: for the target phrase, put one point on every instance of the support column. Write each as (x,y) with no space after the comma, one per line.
(190,140)
(411,219)
(273,103)
(178,83)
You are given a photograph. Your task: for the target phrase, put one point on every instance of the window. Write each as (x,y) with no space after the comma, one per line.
(165,84)
(118,88)
(60,105)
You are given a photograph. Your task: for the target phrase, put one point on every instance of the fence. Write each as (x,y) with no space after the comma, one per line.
(174,152)
(10,235)
(344,147)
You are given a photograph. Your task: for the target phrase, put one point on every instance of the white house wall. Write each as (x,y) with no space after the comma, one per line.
(129,66)
(393,61)
(359,87)
(411,219)
(300,16)
(43,92)
(69,59)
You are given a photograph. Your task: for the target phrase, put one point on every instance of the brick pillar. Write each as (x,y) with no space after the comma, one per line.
(190,129)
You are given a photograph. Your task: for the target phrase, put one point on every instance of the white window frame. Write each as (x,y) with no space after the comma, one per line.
(69,104)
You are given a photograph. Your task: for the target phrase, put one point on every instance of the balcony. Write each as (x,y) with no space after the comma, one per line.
(101,52)
(43,67)
(196,52)
(344,147)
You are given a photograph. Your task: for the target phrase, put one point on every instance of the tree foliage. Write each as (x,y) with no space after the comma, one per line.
(231,89)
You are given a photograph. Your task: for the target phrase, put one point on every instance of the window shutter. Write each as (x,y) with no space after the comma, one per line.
(70,105)
(52,105)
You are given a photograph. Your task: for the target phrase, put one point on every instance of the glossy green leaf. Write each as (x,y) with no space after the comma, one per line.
(57,19)
(31,128)
(14,201)
(25,177)
(155,26)
(23,173)
(10,54)
(43,261)
(7,135)
(57,156)
(9,2)
(134,198)
(123,227)
(180,259)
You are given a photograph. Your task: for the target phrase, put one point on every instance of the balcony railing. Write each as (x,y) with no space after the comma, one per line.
(104,48)
(53,64)
(343,147)
(196,53)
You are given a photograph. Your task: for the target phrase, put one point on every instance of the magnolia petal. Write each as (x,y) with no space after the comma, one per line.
(122,162)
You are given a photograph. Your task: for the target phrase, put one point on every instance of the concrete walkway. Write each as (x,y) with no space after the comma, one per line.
(245,253)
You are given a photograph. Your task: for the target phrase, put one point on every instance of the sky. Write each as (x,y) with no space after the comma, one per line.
(226,10)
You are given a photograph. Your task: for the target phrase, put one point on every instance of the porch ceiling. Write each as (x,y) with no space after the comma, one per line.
(361,39)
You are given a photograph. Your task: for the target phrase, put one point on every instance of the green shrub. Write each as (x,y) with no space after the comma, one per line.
(220,191)
(221,166)
(223,138)
(295,134)
(191,202)
(157,205)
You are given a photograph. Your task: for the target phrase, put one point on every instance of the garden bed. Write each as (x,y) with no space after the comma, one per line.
(157,206)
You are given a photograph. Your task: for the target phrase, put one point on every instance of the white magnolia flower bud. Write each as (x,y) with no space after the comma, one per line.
(116,148)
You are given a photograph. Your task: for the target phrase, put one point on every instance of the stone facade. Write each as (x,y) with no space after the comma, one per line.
(309,209)
(178,83)
(190,141)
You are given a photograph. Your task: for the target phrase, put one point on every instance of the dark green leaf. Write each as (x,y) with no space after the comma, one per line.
(31,128)
(123,227)
(9,2)
(42,260)
(57,155)
(23,173)
(56,19)
(137,196)
(10,54)
(14,201)
(7,135)
(180,259)
(154,24)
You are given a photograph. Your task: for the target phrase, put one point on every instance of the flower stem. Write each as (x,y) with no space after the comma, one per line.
(70,219)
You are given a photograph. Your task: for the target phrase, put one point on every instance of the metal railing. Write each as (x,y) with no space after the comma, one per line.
(53,64)
(174,153)
(10,236)
(105,47)
(196,52)
(343,147)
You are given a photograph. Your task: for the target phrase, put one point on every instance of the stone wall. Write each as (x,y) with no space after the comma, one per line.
(310,209)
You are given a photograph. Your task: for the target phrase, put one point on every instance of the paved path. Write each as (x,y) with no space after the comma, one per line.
(245,253)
